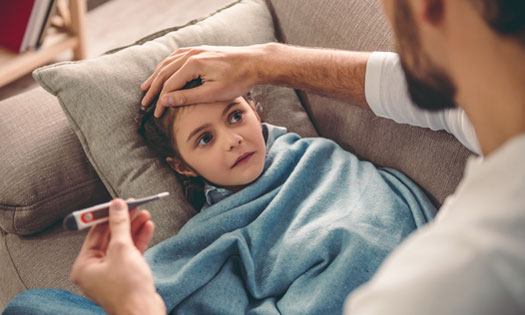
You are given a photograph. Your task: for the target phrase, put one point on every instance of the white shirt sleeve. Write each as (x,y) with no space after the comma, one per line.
(387,94)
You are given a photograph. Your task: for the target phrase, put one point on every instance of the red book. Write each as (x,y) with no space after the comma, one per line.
(14,19)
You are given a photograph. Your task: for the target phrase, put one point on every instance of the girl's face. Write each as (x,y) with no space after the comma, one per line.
(222,142)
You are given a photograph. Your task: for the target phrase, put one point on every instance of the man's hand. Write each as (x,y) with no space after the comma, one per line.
(111,269)
(225,72)
(229,72)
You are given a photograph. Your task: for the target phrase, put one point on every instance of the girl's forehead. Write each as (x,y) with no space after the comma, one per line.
(194,116)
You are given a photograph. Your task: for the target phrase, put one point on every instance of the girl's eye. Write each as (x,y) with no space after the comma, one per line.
(236,116)
(205,139)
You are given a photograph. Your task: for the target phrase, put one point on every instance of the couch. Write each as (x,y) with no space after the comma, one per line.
(48,168)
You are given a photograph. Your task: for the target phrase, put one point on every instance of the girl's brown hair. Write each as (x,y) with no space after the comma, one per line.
(159,136)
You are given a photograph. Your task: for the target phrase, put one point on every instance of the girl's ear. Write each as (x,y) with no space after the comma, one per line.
(180,167)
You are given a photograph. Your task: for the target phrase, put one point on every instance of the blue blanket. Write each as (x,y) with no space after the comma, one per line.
(316,225)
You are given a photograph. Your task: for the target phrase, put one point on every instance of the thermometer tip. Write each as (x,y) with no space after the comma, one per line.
(163,194)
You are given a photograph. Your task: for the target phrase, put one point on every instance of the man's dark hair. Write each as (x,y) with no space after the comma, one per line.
(506,17)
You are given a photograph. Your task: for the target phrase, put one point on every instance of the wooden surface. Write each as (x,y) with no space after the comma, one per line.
(14,65)
(121,22)
(77,9)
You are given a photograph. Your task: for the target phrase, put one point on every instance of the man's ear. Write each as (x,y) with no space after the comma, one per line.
(180,167)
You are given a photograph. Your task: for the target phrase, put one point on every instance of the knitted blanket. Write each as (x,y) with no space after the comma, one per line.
(314,226)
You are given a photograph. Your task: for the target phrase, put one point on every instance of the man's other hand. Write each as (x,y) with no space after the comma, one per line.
(110,268)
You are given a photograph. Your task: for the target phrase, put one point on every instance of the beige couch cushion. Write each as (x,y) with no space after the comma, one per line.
(435,160)
(45,173)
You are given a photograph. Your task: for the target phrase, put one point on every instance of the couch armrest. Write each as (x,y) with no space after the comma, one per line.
(45,173)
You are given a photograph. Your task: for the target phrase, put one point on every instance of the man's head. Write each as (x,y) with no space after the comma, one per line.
(422,28)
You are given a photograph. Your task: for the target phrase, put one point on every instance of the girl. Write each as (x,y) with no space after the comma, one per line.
(187,134)
(287,225)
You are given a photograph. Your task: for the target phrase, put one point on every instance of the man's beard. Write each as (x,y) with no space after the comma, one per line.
(436,91)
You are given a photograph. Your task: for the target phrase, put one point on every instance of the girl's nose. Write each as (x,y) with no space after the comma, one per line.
(234,141)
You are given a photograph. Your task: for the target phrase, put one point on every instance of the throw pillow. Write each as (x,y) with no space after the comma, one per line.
(101,98)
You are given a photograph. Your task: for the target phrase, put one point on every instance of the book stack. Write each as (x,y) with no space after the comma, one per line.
(24,23)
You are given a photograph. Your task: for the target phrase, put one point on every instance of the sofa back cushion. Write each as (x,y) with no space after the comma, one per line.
(435,160)
(45,173)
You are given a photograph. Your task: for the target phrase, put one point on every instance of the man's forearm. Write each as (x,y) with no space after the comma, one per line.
(333,73)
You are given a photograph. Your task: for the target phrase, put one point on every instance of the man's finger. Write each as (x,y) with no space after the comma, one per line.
(175,55)
(142,217)
(187,97)
(167,100)
(97,238)
(119,222)
(177,98)
(149,85)
(154,87)
(146,84)
(144,236)
(156,82)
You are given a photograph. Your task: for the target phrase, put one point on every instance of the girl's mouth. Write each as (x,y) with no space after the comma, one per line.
(243,158)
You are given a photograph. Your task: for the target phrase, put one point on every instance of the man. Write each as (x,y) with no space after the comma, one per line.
(471,259)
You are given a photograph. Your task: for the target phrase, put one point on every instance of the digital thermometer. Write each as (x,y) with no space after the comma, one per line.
(81,219)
